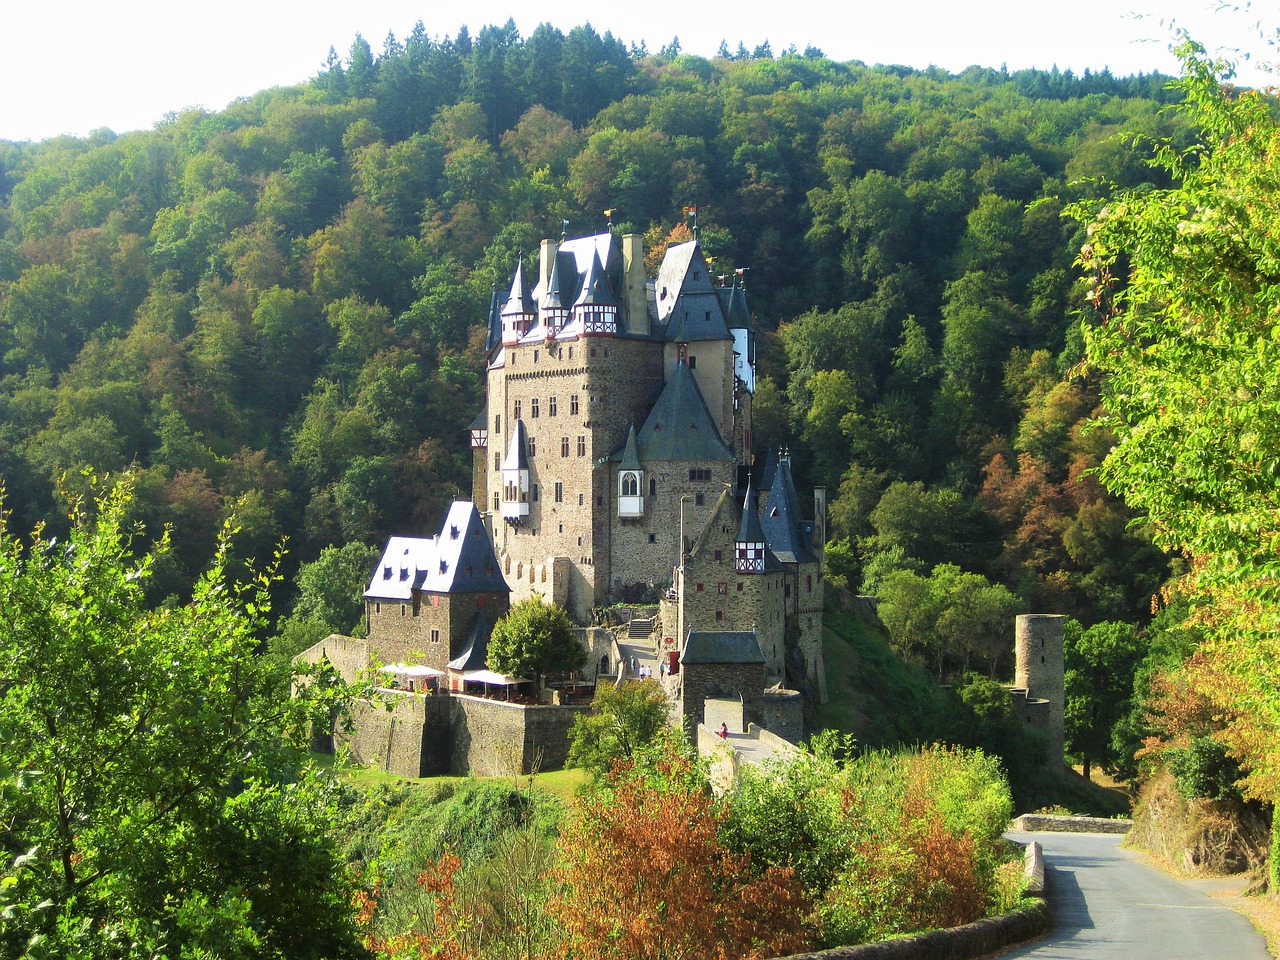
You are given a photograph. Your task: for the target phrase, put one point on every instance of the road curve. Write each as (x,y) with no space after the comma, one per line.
(1110,905)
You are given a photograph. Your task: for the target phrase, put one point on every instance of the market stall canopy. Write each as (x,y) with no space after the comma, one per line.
(414,670)
(488,676)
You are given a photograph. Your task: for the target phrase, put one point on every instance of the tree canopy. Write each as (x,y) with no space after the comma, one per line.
(1189,341)
(534,638)
(150,762)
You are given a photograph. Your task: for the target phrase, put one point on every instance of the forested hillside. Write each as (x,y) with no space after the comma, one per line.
(276,310)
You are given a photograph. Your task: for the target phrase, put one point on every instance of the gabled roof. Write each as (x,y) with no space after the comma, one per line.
(517,450)
(477,651)
(714,535)
(464,561)
(403,564)
(783,525)
(688,303)
(680,427)
(459,560)
(722,646)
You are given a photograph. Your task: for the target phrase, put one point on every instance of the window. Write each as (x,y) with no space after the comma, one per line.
(535,356)
(551,406)
(693,363)
(559,492)
(435,636)
(573,405)
(533,493)
(739,586)
(808,584)
(582,446)
(698,498)
(700,475)
(722,588)
(719,615)
(533,407)
(701,587)
(719,554)
(630,485)
(564,446)
(516,414)
(497,460)
(497,503)
(497,423)
(579,499)
(653,538)
(533,446)
(653,486)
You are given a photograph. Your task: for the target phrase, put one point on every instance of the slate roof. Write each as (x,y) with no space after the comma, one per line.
(687,301)
(459,560)
(734,302)
(679,427)
(520,300)
(493,339)
(749,530)
(630,456)
(518,449)
(403,564)
(722,646)
(464,560)
(784,527)
(477,651)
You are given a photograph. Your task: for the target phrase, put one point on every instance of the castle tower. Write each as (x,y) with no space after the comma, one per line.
(1039,670)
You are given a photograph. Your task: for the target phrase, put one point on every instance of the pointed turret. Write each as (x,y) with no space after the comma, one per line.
(519,315)
(553,314)
(493,339)
(631,479)
(515,477)
(749,543)
(596,309)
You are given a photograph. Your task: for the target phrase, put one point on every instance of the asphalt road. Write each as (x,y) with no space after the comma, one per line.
(1109,905)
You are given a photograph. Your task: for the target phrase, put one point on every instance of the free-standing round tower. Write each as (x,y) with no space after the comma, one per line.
(1039,670)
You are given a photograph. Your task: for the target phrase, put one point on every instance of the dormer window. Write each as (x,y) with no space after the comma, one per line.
(453,533)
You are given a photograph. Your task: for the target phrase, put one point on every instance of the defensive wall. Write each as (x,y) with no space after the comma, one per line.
(416,735)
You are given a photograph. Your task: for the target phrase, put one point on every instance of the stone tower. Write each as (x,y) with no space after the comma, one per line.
(1039,671)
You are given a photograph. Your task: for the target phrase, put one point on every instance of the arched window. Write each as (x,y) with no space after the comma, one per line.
(630,485)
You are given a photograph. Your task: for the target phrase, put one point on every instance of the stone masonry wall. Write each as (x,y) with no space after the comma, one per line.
(700,681)
(782,713)
(459,735)
(649,546)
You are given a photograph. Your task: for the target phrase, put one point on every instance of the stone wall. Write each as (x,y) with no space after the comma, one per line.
(717,597)
(347,655)
(456,734)
(782,713)
(404,740)
(699,681)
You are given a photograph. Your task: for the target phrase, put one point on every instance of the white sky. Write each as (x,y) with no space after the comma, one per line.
(70,66)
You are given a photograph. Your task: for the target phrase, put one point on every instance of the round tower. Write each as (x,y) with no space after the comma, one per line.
(1039,670)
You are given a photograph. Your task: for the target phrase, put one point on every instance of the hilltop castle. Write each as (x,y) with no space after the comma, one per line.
(613,464)
(615,455)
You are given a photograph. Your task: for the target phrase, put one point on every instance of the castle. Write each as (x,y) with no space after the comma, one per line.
(614,464)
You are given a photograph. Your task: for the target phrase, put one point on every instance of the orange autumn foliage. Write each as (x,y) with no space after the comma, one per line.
(644,875)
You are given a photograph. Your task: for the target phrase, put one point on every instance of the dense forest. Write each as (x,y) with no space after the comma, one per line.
(986,304)
(273,311)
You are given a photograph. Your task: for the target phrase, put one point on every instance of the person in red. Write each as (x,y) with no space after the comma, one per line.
(723,731)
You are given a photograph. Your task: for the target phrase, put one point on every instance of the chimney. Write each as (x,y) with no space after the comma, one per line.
(633,283)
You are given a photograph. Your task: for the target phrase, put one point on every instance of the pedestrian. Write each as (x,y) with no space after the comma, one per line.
(724,730)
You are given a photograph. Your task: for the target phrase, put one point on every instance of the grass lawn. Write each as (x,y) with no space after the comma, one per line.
(560,783)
